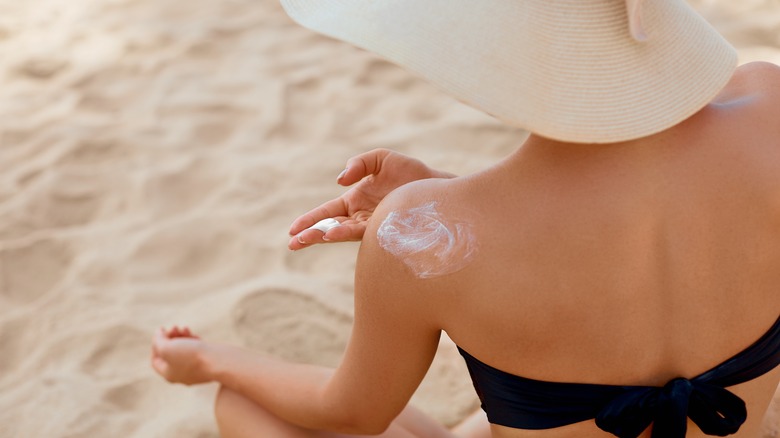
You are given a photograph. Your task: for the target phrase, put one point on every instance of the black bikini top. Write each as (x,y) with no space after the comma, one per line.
(626,411)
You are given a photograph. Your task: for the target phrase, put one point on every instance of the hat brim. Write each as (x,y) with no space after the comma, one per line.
(564,69)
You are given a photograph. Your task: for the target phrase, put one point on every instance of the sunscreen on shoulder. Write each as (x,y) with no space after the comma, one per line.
(430,244)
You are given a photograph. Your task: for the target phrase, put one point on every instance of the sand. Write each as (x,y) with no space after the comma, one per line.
(152,156)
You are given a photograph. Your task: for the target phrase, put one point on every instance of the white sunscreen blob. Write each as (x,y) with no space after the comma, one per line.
(426,242)
(325,225)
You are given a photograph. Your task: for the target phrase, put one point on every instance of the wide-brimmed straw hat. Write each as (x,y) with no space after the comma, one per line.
(590,71)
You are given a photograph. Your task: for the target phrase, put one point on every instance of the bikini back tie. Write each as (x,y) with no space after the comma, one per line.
(626,411)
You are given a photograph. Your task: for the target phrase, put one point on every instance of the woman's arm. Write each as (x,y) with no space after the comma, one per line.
(292,391)
(394,338)
(391,348)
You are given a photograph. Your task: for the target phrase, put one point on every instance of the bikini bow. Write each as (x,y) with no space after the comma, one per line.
(716,410)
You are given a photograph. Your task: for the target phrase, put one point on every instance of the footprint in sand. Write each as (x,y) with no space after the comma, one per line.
(293,326)
(29,271)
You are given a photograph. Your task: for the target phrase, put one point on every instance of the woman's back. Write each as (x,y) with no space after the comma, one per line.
(624,264)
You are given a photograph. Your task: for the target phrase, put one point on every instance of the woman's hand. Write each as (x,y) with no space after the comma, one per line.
(379,172)
(177,356)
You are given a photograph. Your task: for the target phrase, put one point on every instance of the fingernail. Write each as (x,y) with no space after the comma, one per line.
(341,175)
(300,240)
(325,239)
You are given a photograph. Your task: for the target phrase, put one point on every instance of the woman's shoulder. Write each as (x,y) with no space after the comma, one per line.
(759,81)
(745,117)
(423,226)
(757,75)
(748,128)
(765,80)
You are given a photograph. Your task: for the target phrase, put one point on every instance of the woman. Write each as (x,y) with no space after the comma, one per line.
(616,275)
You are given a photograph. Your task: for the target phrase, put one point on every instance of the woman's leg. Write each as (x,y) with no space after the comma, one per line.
(475,425)
(240,417)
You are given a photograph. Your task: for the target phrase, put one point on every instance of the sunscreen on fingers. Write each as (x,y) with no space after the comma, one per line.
(325,225)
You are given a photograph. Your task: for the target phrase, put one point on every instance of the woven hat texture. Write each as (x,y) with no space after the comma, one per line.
(571,70)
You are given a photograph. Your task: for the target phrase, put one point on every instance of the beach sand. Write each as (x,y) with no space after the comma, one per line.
(152,156)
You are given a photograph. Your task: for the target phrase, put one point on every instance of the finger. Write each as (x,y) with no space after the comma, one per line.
(294,244)
(316,233)
(160,337)
(331,209)
(346,233)
(180,332)
(160,366)
(360,166)
(305,239)
(154,340)
(188,333)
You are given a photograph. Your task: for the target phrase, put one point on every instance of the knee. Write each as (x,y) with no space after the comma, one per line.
(227,412)
(238,416)
(225,403)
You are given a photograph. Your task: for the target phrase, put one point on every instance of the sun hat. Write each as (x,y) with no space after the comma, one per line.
(588,71)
